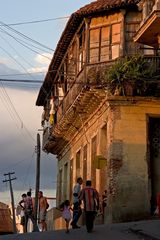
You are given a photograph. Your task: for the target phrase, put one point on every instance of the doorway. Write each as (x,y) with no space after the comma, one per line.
(154,163)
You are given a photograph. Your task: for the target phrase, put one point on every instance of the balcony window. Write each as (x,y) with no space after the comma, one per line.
(104,56)
(115,40)
(71,59)
(104,43)
(81,43)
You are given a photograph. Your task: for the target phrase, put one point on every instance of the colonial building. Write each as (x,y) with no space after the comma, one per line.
(101,100)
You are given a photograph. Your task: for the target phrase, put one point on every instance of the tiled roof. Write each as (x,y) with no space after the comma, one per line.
(102,5)
(94,8)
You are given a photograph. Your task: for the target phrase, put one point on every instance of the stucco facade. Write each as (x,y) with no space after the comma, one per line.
(100,130)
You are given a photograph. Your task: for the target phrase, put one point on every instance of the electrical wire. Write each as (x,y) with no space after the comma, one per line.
(37,21)
(16,113)
(26,176)
(15,60)
(24,45)
(25,36)
(17,53)
(20,40)
(21,81)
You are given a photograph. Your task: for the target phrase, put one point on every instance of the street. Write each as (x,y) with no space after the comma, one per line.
(101,232)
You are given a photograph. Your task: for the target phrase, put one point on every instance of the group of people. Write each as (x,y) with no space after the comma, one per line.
(87,195)
(90,198)
(27,205)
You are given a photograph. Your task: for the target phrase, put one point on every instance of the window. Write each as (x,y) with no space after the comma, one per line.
(60,186)
(85,164)
(81,55)
(94,45)
(104,56)
(115,40)
(71,178)
(78,158)
(93,156)
(65,185)
(104,43)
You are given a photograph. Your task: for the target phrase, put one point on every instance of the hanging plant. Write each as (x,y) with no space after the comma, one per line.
(128,76)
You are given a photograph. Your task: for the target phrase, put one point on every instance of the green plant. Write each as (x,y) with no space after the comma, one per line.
(130,73)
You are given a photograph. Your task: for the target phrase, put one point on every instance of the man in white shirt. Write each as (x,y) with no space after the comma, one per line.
(76,208)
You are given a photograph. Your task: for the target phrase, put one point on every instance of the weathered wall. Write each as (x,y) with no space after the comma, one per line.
(123,141)
(94,127)
(127,160)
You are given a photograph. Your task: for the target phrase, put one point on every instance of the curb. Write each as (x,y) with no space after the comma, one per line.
(141,233)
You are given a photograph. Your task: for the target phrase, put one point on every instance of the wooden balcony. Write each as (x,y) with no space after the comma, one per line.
(84,97)
(149,32)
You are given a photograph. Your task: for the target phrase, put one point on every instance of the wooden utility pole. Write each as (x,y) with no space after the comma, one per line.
(12,197)
(38,151)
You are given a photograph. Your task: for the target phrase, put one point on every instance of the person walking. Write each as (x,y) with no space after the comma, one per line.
(22,212)
(90,198)
(66,213)
(42,211)
(77,211)
(27,206)
(104,201)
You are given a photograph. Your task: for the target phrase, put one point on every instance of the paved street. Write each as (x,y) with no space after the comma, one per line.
(146,230)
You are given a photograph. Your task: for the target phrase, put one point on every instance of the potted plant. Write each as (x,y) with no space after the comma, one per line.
(128,76)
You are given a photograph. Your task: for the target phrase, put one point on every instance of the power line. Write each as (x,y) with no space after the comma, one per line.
(24,36)
(21,81)
(24,59)
(8,100)
(37,21)
(23,43)
(15,60)
(19,74)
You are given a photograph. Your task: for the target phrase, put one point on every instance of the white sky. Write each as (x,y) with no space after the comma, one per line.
(20,118)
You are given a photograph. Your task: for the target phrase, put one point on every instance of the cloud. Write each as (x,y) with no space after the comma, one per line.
(17,148)
(44,58)
(37,69)
(4,60)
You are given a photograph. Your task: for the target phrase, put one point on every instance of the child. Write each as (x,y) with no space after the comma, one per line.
(66,213)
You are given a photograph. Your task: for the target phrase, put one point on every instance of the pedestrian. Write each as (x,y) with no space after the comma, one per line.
(65,207)
(42,210)
(22,205)
(90,198)
(21,216)
(77,211)
(27,206)
(157,211)
(104,201)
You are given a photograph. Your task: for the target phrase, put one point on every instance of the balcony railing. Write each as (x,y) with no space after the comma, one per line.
(93,79)
(88,77)
(155,61)
(84,97)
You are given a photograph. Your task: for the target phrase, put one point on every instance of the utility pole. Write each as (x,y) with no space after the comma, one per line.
(12,197)
(38,151)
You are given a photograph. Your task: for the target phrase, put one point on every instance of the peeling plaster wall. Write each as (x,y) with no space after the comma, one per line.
(126,173)
(129,197)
